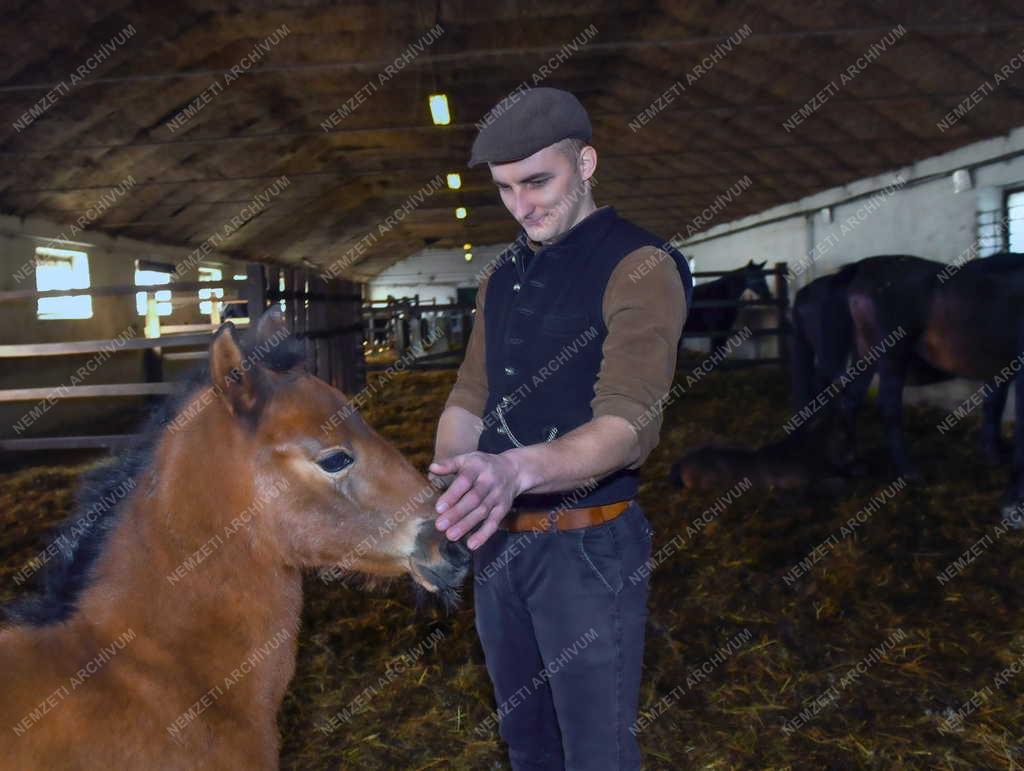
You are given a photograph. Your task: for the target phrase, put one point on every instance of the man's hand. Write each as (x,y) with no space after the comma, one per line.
(483,490)
(439,481)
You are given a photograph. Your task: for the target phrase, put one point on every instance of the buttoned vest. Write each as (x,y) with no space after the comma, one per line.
(544,333)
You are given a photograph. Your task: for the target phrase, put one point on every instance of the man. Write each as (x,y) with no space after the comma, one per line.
(553,413)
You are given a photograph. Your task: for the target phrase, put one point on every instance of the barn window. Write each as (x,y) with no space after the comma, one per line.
(1015,220)
(206,295)
(62,269)
(147,274)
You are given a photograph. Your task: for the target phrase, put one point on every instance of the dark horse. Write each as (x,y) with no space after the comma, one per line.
(823,342)
(916,321)
(165,634)
(810,459)
(717,320)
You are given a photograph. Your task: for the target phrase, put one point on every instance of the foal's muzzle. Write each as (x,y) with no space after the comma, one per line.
(441,562)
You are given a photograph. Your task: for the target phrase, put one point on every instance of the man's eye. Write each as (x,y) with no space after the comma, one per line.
(335,462)
(539,183)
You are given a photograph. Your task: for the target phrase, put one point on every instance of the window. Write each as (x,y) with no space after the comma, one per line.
(206,295)
(62,269)
(1015,220)
(147,274)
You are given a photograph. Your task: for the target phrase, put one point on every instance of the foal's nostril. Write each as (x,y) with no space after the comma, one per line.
(456,553)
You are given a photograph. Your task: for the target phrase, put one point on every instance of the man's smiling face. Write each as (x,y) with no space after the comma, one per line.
(547,192)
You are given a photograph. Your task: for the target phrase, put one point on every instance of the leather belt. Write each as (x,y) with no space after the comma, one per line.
(544,521)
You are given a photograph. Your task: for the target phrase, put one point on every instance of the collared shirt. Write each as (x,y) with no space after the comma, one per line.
(644,319)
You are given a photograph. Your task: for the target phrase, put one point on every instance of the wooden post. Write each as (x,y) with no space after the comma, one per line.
(782,300)
(255,291)
(318,316)
(273,283)
(350,345)
(304,310)
(289,301)
(332,315)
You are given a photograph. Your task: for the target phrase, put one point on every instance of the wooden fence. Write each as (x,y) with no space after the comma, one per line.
(778,305)
(452,358)
(328,313)
(325,312)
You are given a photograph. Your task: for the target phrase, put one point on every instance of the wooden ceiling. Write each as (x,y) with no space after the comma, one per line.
(342,183)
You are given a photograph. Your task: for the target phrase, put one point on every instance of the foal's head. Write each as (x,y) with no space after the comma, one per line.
(330,491)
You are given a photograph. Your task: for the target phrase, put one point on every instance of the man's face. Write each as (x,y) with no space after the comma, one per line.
(544,192)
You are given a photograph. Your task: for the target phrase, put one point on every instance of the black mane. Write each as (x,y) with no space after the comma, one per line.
(81,538)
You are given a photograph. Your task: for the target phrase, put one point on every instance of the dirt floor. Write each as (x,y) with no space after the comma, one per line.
(866,660)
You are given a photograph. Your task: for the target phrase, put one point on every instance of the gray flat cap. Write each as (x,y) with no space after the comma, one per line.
(527,121)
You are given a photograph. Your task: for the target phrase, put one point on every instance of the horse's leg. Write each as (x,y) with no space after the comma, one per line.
(1013,504)
(851,398)
(892,372)
(836,344)
(996,450)
(720,337)
(804,370)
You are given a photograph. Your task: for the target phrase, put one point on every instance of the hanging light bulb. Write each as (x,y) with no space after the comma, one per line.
(439,109)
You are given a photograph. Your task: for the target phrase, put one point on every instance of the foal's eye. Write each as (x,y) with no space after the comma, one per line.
(335,462)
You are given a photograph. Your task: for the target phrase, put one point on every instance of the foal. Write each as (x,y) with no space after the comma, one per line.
(165,636)
(812,458)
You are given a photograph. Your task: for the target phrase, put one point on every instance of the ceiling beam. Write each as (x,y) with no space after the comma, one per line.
(591,49)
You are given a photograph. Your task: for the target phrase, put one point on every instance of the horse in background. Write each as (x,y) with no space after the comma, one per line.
(823,340)
(718,320)
(912,321)
(165,632)
(810,458)
(964,321)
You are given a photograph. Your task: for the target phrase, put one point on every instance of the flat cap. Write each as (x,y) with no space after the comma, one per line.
(527,121)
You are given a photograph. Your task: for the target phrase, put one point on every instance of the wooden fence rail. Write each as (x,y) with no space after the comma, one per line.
(325,313)
(330,315)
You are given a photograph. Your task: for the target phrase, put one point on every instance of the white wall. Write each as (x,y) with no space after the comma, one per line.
(434,274)
(111,262)
(921,215)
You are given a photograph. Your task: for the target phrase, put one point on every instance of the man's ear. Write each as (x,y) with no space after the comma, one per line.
(588,162)
(235,378)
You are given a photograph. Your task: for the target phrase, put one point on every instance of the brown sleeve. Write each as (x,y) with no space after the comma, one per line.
(470,389)
(644,308)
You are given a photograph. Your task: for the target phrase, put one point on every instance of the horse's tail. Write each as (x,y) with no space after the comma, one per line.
(822,339)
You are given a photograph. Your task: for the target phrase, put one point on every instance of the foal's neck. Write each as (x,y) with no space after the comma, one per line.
(185,568)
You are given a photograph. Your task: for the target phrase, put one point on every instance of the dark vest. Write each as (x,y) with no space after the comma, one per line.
(544,333)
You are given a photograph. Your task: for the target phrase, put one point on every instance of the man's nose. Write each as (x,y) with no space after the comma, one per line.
(523,206)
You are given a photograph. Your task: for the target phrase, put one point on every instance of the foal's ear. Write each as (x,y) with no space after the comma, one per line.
(271,325)
(234,378)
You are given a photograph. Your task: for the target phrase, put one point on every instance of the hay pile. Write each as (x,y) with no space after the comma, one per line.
(744,668)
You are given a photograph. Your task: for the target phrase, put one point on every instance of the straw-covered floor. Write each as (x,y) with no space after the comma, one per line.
(862,658)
